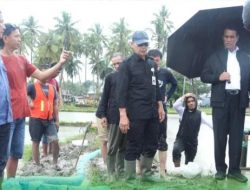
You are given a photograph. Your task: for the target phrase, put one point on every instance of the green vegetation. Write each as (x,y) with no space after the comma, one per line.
(98,180)
(73,108)
(27,154)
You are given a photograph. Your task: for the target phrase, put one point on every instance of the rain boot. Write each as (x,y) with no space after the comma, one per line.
(146,164)
(130,169)
(110,160)
(120,164)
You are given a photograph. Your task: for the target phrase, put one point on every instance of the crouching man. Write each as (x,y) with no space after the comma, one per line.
(190,122)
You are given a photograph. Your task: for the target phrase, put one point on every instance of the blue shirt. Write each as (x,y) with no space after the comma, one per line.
(5,104)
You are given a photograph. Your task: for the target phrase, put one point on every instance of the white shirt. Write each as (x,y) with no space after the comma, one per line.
(179,107)
(233,68)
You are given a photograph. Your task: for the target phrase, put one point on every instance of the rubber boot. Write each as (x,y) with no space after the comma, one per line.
(120,164)
(111,160)
(146,164)
(130,169)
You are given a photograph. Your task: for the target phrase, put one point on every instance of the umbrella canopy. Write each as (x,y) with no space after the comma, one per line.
(200,36)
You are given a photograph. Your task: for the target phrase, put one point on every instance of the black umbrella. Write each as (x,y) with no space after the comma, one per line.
(201,35)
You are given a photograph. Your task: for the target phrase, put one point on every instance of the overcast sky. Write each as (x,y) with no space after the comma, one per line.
(137,13)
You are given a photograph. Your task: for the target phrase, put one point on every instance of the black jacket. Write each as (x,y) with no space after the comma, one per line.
(136,92)
(215,65)
(108,105)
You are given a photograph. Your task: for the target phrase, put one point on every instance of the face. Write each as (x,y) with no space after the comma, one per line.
(230,39)
(116,61)
(157,60)
(191,104)
(140,49)
(13,41)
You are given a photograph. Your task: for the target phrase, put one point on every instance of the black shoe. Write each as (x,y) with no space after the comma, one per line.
(220,176)
(238,177)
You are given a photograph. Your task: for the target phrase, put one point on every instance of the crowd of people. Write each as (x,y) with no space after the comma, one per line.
(136,97)
(132,112)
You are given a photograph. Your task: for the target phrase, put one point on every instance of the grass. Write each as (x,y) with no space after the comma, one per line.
(73,108)
(98,180)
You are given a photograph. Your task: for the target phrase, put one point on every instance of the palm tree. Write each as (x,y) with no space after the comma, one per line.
(119,39)
(66,29)
(72,68)
(48,49)
(30,34)
(162,27)
(96,43)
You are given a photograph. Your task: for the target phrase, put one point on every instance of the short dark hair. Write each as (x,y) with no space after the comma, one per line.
(154,53)
(7,31)
(9,28)
(232,27)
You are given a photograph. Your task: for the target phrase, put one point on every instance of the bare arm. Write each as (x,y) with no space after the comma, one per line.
(56,113)
(44,75)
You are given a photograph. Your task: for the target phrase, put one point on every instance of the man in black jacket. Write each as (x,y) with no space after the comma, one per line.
(165,78)
(228,72)
(140,106)
(108,112)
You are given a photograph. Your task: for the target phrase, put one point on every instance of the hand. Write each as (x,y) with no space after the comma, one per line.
(225,76)
(124,124)
(166,99)
(57,125)
(104,122)
(65,55)
(161,113)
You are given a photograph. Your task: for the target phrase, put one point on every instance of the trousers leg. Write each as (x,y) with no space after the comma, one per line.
(220,128)
(237,118)
(177,150)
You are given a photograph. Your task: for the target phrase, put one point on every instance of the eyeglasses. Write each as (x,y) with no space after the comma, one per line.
(143,45)
(117,63)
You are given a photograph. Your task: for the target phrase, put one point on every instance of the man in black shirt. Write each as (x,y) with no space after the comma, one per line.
(109,114)
(140,106)
(165,77)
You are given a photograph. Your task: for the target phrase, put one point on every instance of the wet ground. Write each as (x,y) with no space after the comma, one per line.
(204,158)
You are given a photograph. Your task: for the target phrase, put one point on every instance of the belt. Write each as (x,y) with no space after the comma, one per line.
(233,92)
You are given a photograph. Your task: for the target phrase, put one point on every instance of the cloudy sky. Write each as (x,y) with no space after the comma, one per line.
(137,13)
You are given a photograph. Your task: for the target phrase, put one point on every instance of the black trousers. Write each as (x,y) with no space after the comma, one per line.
(142,138)
(188,146)
(228,123)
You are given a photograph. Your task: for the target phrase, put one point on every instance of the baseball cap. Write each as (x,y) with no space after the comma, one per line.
(140,37)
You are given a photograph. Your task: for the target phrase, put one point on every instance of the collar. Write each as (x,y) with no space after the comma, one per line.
(234,51)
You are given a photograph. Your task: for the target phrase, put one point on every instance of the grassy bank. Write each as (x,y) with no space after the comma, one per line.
(73,108)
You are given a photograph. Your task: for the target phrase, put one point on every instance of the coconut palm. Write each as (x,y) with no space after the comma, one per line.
(73,68)
(30,31)
(96,43)
(119,39)
(65,28)
(162,28)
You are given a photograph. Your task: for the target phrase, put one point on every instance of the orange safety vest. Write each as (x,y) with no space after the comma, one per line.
(43,105)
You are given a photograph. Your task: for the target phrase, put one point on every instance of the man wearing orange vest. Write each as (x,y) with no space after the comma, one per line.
(44,117)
